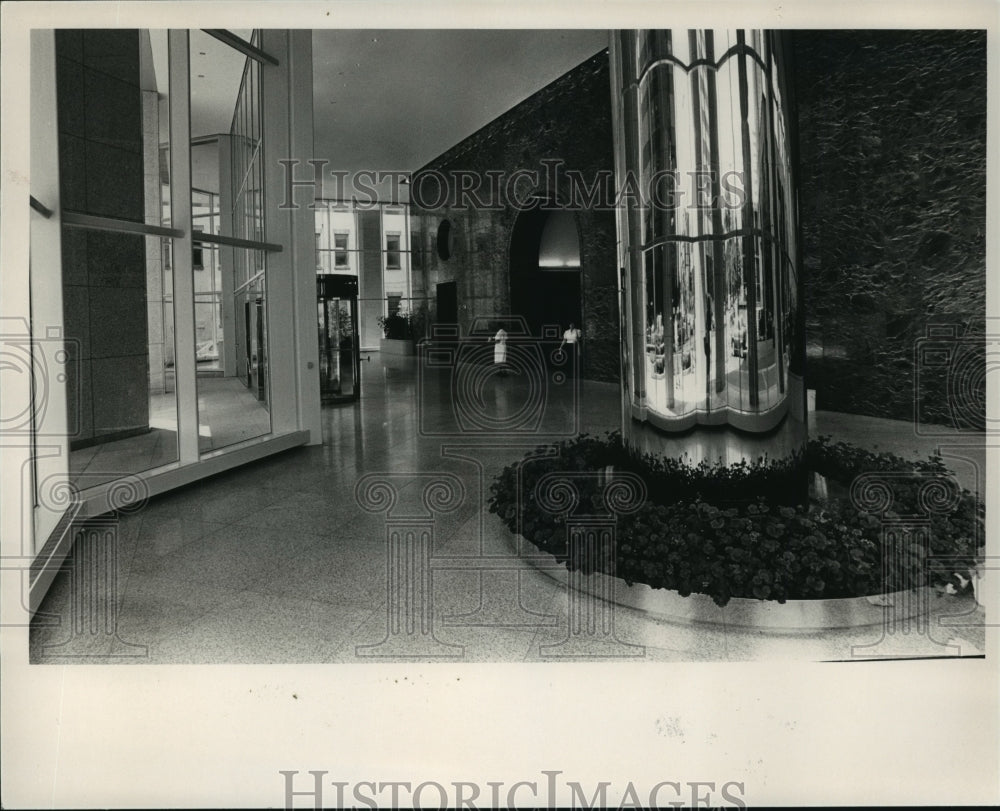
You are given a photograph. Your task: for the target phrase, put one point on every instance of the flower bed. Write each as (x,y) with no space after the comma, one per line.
(736,531)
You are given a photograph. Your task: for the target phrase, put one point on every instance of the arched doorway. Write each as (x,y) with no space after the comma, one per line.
(545,277)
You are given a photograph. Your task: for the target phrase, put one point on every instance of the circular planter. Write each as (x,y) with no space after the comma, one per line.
(739,612)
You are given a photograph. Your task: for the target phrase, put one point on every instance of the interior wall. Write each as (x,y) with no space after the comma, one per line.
(892,134)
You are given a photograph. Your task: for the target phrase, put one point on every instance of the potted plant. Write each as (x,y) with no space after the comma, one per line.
(401,331)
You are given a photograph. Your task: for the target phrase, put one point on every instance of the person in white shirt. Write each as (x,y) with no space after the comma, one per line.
(572,337)
(500,350)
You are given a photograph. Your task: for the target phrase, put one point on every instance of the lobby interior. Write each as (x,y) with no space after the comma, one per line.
(216,442)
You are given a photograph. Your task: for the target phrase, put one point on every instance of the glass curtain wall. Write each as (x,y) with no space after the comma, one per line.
(373,244)
(205,261)
(711,252)
(229,261)
(116,278)
(121,229)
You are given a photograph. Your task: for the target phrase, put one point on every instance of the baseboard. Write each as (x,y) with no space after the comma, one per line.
(49,560)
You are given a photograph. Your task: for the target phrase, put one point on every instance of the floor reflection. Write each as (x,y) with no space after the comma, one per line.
(228,413)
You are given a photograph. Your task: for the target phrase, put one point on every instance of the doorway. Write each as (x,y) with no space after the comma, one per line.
(447,303)
(545,270)
(339,349)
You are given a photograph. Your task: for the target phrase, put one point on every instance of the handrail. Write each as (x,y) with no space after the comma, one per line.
(80,220)
(45,212)
(237,242)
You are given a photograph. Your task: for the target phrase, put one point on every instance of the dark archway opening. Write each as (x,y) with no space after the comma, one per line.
(545,270)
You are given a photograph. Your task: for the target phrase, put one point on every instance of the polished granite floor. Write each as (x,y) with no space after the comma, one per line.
(280,562)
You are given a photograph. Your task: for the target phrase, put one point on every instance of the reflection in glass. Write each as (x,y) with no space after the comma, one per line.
(336,238)
(116,286)
(230,286)
(710,257)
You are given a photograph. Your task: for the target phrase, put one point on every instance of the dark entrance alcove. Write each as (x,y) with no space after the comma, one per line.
(545,269)
(447,303)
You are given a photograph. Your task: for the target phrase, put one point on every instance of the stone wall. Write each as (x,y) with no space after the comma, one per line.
(104,273)
(892,133)
(570,121)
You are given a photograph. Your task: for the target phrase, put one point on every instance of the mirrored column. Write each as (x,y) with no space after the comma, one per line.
(707,230)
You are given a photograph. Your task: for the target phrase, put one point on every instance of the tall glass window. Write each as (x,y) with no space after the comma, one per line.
(113,100)
(374,244)
(149,257)
(231,341)
(336,238)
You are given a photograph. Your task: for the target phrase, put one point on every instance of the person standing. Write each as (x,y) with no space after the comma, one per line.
(571,337)
(500,351)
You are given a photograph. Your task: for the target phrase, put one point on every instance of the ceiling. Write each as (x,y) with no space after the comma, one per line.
(394,100)
(391,100)
(216,74)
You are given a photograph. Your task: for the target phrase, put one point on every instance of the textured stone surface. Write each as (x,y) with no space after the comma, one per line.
(104,273)
(892,133)
(569,120)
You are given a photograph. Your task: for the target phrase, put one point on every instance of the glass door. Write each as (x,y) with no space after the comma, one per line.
(339,350)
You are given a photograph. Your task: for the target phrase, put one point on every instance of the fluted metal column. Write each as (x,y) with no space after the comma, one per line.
(708,251)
